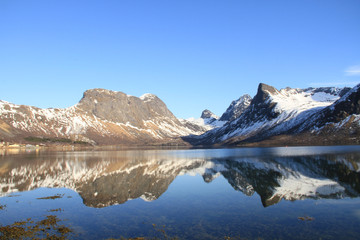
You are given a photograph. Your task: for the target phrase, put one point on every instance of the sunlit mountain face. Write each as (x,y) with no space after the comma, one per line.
(107,178)
(290,116)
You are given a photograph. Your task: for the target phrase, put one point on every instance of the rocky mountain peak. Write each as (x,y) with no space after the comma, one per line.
(208,114)
(263,92)
(236,108)
(122,108)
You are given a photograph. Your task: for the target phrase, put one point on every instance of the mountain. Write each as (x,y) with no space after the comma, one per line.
(207,114)
(206,122)
(101,117)
(291,116)
(236,108)
(209,120)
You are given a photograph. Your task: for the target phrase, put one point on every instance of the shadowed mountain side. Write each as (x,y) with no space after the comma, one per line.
(313,116)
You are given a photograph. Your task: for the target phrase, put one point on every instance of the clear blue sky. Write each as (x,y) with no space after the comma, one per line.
(193,54)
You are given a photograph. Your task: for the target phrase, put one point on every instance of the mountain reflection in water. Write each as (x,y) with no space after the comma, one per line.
(104,178)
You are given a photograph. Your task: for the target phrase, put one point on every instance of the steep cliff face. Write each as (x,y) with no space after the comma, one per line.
(121,108)
(207,114)
(236,108)
(344,110)
(101,117)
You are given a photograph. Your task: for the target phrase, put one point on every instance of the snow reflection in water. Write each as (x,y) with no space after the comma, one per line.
(179,179)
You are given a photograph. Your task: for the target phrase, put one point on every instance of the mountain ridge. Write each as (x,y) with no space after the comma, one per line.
(101,117)
(286,116)
(272,116)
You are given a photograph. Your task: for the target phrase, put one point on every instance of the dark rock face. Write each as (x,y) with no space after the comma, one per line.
(338,122)
(349,104)
(207,114)
(209,117)
(259,110)
(236,108)
(263,93)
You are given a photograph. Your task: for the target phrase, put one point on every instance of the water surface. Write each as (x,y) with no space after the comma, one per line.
(247,193)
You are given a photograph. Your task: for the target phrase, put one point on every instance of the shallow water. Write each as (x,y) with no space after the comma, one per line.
(246,193)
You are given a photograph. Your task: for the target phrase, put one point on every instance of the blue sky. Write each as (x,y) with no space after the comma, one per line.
(193,54)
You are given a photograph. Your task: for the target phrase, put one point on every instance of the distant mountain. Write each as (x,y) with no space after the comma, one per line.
(101,117)
(292,116)
(207,114)
(207,121)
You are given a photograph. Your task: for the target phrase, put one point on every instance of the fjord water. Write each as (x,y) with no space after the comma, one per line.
(245,193)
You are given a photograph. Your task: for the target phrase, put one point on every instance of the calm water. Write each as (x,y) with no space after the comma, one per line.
(248,193)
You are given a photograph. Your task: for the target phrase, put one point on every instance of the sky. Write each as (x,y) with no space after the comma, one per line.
(193,54)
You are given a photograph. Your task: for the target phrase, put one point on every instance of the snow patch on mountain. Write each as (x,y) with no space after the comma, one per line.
(236,108)
(206,123)
(147,97)
(298,100)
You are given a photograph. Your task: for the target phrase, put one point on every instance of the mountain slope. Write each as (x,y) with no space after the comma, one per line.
(101,116)
(275,112)
(273,117)
(236,108)
(207,121)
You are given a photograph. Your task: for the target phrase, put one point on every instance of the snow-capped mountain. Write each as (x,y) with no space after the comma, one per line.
(114,177)
(102,116)
(273,117)
(236,108)
(274,113)
(208,121)
(342,115)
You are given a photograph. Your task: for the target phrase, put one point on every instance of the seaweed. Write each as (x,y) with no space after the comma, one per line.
(14,195)
(47,228)
(306,218)
(52,197)
(54,140)
(56,210)
(161,229)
